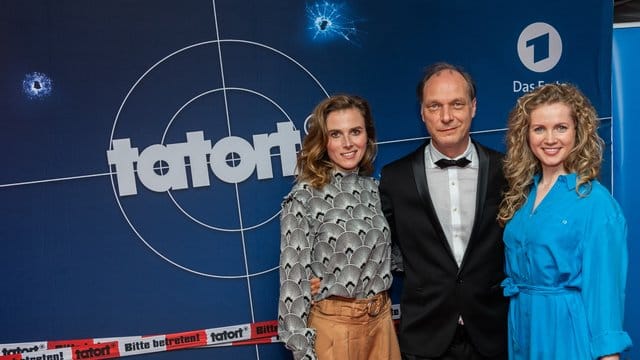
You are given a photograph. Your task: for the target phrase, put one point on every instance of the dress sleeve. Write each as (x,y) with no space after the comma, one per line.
(604,279)
(295,292)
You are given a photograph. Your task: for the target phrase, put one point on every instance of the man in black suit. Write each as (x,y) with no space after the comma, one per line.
(441,202)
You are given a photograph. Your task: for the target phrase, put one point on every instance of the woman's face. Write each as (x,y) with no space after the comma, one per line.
(347,138)
(552,135)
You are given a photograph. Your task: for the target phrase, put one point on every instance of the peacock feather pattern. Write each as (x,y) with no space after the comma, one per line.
(337,233)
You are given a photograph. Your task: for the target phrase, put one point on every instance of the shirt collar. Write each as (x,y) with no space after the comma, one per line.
(569,180)
(341,175)
(434,155)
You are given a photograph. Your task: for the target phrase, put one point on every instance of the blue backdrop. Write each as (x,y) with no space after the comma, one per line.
(147,144)
(626,110)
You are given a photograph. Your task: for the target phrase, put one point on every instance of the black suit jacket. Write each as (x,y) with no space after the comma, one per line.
(435,291)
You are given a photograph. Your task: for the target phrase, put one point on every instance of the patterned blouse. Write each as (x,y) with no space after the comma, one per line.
(337,233)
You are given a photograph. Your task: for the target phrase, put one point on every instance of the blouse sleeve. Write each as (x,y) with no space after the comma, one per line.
(387,208)
(605,274)
(295,292)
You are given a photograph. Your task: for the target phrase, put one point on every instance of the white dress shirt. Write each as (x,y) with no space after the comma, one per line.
(453,193)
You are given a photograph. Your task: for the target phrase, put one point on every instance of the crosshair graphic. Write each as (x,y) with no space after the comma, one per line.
(216,113)
(233,159)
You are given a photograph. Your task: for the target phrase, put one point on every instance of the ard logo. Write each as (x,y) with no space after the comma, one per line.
(539,47)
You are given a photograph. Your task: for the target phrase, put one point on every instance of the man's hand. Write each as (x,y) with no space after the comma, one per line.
(315,286)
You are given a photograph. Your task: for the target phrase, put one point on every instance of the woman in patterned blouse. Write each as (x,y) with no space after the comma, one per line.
(332,228)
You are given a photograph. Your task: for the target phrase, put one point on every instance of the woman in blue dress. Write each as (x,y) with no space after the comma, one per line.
(565,236)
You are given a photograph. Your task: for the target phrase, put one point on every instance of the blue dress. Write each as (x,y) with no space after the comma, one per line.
(566,266)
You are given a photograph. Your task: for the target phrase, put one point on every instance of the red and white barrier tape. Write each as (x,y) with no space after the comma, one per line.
(265,332)
(109,348)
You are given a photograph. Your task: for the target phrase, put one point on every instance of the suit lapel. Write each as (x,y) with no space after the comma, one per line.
(420,178)
(481,190)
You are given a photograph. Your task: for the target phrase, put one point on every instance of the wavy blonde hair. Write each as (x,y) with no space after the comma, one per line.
(313,164)
(520,165)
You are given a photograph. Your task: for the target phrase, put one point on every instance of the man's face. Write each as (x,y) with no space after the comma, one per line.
(447,111)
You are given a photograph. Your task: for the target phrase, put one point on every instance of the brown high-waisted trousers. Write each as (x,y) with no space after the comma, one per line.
(350,329)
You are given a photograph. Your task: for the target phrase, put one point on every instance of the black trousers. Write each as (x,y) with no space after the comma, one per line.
(461,348)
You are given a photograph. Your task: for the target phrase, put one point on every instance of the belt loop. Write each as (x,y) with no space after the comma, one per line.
(374,306)
(370,310)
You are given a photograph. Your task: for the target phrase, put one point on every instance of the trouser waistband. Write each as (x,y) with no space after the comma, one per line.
(371,306)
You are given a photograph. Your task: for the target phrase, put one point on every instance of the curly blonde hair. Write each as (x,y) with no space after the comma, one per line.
(313,164)
(520,165)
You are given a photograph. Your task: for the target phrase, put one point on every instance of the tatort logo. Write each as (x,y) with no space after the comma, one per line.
(198,170)
(232,159)
(227,335)
(93,352)
(20,350)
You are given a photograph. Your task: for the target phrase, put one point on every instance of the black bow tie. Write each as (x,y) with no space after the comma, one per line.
(445,163)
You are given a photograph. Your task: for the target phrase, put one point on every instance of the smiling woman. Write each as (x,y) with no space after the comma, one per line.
(347,138)
(332,228)
(565,235)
